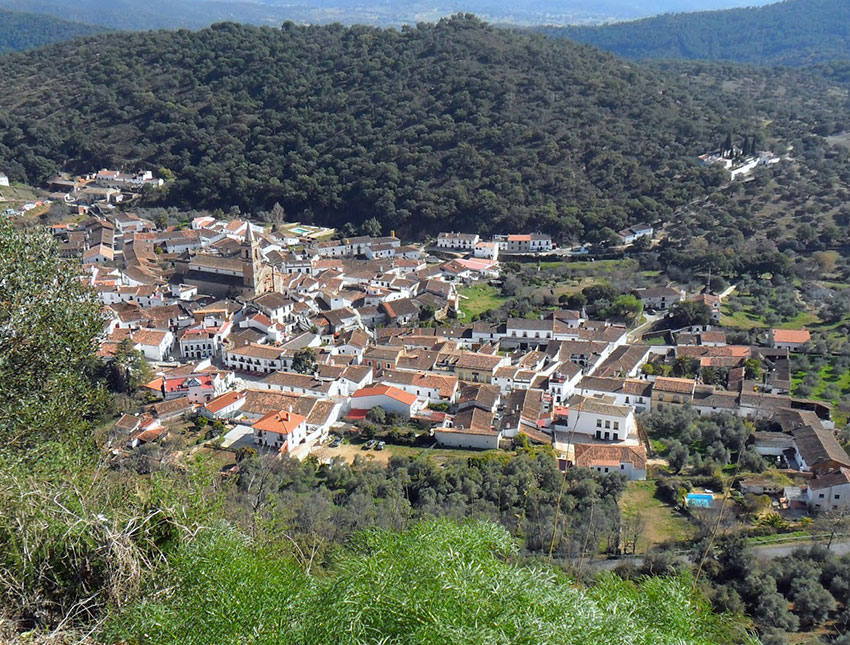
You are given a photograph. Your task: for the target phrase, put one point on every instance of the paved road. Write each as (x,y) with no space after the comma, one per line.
(768,552)
(637,331)
(763,552)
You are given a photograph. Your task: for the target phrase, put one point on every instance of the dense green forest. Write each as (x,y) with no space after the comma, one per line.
(20,31)
(793,32)
(453,125)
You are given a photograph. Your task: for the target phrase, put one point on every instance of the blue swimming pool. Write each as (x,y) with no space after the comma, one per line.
(702,500)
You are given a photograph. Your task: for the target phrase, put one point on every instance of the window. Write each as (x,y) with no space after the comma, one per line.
(820,496)
(599,423)
(660,397)
(607,423)
(616,436)
(616,425)
(622,466)
(607,436)
(627,399)
(838,497)
(598,434)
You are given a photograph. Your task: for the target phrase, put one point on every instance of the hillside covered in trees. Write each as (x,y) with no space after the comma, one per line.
(20,31)
(454,125)
(793,32)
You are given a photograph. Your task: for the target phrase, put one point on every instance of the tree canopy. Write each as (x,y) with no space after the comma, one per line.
(454,125)
(49,324)
(20,31)
(794,32)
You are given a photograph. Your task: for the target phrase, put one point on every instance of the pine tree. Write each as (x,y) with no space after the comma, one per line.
(727,146)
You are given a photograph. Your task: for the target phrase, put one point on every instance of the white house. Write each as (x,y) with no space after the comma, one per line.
(595,418)
(563,382)
(438,388)
(154,343)
(486,250)
(280,430)
(632,233)
(225,406)
(830,492)
(389,398)
(628,460)
(790,339)
(261,359)
(658,298)
(462,241)
(470,428)
(203,341)
(528,243)
(4,180)
(276,306)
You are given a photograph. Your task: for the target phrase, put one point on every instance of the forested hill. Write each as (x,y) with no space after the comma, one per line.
(793,32)
(20,31)
(457,124)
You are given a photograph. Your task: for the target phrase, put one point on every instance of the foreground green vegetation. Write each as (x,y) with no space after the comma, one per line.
(437,583)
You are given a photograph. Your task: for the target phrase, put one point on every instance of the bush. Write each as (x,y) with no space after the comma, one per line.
(444,578)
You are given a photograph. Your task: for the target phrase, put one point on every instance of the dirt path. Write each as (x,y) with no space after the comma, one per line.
(349,451)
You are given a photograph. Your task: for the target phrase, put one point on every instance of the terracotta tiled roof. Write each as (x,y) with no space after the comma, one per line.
(280,421)
(791,335)
(221,402)
(386,390)
(590,455)
(670,384)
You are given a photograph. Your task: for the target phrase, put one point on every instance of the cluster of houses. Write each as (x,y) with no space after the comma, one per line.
(284,336)
(738,164)
(102,189)
(472,244)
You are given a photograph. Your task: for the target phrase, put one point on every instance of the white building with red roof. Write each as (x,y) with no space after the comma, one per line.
(791,339)
(224,406)
(280,430)
(391,399)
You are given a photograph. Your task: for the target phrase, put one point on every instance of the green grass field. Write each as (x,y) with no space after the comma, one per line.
(830,382)
(478,298)
(662,522)
(747,319)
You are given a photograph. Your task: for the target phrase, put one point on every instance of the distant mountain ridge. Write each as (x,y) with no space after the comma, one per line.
(21,31)
(195,14)
(793,32)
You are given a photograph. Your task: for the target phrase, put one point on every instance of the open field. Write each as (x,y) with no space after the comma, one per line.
(348,452)
(746,318)
(662,522)
(830,384)
(478,298)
